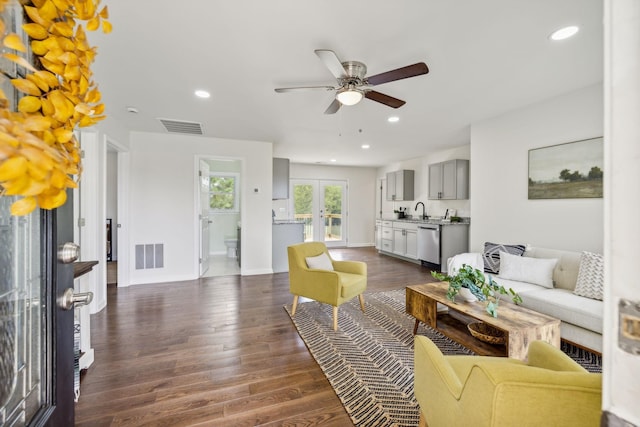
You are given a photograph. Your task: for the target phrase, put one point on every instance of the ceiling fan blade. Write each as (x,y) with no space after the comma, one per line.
(303,88)
(333,108)
(399,74)
(332,62)
(384,99)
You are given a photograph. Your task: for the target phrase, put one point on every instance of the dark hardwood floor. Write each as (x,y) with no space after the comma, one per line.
(219,351)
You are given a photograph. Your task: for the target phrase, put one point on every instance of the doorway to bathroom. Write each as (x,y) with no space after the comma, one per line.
(219,216)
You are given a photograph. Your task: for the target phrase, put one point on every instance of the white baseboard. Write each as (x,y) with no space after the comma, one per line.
(86,359)
(360,245)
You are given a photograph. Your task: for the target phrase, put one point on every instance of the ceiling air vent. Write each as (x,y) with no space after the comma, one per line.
(181,126)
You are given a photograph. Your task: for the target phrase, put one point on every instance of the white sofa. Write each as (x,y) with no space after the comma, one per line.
(581,317)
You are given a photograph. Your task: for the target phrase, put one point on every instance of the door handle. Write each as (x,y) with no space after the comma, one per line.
(68,252)
(70,299)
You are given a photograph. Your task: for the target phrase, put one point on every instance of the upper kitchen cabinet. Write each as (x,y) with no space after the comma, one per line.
(449,180)
(400,185)
(280,179)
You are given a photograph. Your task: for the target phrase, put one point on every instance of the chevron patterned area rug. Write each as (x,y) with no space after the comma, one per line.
(369,360)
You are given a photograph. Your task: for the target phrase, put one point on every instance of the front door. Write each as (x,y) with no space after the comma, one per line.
(321,204)
(36,334)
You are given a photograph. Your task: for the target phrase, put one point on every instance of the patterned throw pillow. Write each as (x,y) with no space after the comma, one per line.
(590,282)
(491,255)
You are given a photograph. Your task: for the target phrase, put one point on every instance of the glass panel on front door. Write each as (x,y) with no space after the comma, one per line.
(22,363)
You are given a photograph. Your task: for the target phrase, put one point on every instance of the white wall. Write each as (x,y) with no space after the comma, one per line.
(421,185)
(115,130)
(500,209)
(361,202)
(621,385)
(163,194)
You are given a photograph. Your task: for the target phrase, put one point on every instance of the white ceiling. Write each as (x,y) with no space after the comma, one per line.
(486,57)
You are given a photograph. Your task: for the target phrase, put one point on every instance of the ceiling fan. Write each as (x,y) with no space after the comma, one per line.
(353,84)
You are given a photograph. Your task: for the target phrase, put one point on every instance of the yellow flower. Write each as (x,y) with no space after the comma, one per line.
(38,151)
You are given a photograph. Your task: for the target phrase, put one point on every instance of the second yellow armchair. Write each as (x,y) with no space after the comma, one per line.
(347,279)
(550,389)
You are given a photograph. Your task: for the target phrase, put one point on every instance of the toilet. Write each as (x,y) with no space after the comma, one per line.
(232,245)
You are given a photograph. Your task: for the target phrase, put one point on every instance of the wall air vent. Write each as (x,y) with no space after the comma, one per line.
(181,126)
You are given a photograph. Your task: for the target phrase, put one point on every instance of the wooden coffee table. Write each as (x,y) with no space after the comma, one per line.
(520,325)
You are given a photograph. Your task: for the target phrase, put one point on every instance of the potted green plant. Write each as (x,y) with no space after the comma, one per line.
(484,288)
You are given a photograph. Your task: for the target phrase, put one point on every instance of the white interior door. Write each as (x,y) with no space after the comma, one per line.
(322,207)
(203,179)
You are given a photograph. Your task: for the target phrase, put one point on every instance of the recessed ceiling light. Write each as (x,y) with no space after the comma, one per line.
(365,146)
(393,119)
(202,94)
(564,33)
(133,110)
(333,160)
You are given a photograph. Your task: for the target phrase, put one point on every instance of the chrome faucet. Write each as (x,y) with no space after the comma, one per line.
(424,215)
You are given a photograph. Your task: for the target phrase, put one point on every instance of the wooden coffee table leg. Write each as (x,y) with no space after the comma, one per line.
(422,307)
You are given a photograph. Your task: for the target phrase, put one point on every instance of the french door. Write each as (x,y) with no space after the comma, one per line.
(321,204)
(36,334)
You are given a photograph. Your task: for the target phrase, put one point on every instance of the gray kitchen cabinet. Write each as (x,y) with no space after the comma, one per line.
(284,234)
(400,185)
(399,241)
(405,239)
(449,180)
(378,234)
(387,236)
(412,244)
(280,179)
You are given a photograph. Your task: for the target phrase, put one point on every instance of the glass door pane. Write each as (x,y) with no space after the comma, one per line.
(333,195)
(303,207)
(22,363)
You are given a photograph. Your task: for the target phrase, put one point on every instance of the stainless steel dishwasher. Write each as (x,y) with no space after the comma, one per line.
(429,243)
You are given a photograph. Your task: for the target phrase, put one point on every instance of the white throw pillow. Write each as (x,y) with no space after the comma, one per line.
(320,262)
(538,271)
(472,259)
(590,282)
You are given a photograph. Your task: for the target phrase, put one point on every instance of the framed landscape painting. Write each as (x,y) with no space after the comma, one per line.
(567,171)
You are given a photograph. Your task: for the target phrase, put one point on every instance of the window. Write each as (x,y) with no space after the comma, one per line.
(223,192)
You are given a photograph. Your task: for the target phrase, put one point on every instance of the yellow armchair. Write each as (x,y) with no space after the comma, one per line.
(348,278)
(550,389)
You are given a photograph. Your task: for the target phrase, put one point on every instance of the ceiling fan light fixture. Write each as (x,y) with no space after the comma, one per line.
(349,96)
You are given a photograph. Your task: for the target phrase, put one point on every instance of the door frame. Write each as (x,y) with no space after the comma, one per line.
(61,321)
(203,221)
(121,227)
(197,202)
